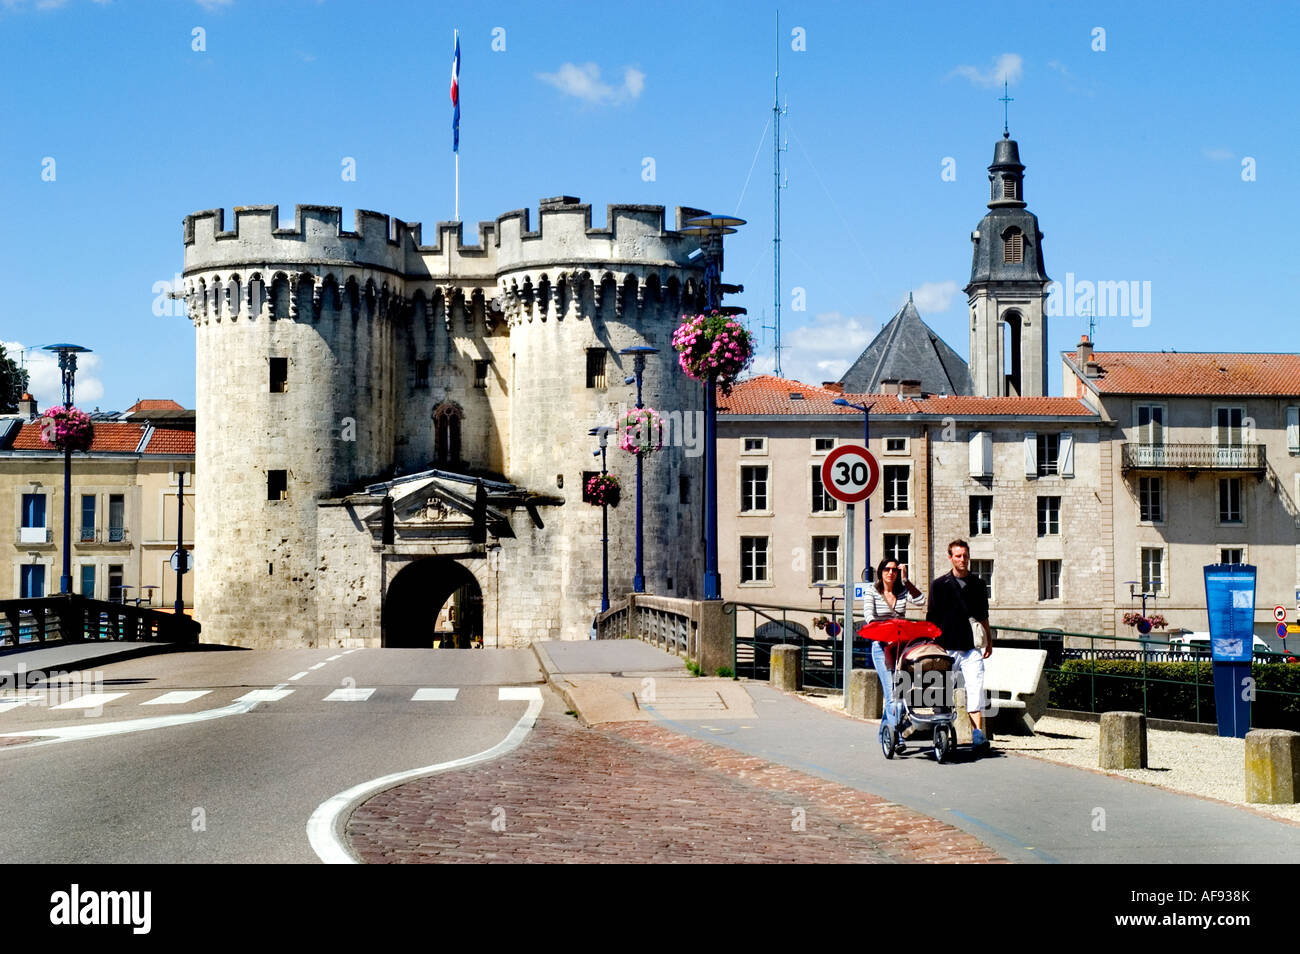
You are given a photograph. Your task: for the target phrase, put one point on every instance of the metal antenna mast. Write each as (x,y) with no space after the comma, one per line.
(777,186)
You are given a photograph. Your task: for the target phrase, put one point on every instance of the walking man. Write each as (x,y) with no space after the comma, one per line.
(959,601)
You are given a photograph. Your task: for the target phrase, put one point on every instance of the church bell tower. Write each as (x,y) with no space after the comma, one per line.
(1007,293)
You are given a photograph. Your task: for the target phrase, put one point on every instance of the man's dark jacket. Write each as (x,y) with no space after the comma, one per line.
(952,607)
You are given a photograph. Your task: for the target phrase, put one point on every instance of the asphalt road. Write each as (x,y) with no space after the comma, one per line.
(241,784)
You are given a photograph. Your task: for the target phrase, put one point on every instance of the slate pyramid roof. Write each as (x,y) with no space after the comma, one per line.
(908,349)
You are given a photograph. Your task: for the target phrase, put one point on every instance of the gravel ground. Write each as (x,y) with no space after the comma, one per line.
(1203,765)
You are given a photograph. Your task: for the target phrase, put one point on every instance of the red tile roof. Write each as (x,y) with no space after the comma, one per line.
(769,395)
(1195,373)
(155,405)
(170,441)
(112,436)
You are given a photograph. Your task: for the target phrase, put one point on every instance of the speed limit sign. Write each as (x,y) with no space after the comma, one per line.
(850,473)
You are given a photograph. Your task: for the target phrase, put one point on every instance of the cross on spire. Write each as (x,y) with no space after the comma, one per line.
(1004,99)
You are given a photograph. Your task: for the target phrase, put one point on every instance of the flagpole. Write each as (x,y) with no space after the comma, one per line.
(457,187)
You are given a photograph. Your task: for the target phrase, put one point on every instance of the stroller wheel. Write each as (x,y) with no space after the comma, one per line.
(888,741)
(943,742)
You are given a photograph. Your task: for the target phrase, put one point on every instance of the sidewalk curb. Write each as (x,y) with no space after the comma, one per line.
(560,685)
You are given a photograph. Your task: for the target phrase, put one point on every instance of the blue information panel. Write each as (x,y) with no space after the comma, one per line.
(1230,602)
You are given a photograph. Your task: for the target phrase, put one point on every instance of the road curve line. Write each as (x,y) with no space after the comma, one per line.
(322,827)
(95,730)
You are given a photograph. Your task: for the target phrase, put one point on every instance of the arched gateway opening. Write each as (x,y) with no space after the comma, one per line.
(433,602)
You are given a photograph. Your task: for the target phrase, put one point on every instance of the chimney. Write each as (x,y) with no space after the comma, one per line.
(27,406)
(834,386)
(1084,355)
(909,387)
(889,385)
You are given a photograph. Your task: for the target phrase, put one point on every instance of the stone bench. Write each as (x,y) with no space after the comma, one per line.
(1015,683)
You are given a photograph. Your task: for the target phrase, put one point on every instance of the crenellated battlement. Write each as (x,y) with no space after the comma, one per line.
(633,234)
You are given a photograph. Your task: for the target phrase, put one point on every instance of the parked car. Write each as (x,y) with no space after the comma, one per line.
(1197,645)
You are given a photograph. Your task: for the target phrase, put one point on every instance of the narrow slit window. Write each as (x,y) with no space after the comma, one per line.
(277,485)
(279,375)
(596,367)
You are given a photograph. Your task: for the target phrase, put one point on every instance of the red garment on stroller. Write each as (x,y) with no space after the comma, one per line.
(893,632)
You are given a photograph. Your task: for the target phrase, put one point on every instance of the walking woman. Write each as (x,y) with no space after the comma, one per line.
(889,600)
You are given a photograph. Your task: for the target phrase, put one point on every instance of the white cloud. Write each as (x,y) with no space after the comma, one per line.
(583,81)
(1006,67)
(46,381)
(1219,155)
(932,298)
(212,6)
(820,350)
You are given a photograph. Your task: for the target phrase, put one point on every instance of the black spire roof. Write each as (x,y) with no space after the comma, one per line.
(906,348)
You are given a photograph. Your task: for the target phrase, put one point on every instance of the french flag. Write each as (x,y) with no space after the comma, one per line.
(455,96)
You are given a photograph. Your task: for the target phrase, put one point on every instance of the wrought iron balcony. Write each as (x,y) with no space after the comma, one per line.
(1193,457)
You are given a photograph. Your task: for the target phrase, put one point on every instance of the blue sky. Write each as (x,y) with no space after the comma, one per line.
(1135,152)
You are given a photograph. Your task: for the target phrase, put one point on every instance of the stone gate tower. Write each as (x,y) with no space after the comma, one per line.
(382,421)
(1007,292)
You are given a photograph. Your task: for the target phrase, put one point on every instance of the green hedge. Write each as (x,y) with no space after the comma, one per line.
(1171,690)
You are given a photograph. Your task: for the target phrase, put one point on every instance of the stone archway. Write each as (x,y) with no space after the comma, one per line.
(433,601)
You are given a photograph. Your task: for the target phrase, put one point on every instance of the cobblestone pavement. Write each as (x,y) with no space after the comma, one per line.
(636,792)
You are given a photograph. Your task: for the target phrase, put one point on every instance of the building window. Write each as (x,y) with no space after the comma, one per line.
(33,528)
(1013,247)
(981,515)
(1049,516)
(1232,554)
(754,445)
(753,489)
(480,373)
(898,547)
(277,485)
(1151,499)
(822,502)
(421,373)
(826,560)
(753,559)
(446,435)
(87,518)
(1153,575)
(116,591)
(33,581)
(116,518)
(823,445)
(1049,449)
(596,367)
(88,580)
(1228,426)
(896,480)
(984,570)
(1150,424)
(683,489)
(279,375)
(1230,500)
(895,445)
(1049,579)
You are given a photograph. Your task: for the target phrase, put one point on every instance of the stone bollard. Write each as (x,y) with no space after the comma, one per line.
(962,723)
(786,669)
(866,697)
(1123,743)
(1272,766)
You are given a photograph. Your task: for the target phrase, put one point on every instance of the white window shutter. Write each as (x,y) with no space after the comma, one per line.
(1293,429)
(1031,453)
(1065,459)
(981,454)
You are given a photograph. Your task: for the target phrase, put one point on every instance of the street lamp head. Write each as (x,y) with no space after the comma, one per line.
(639,349)
(70,348)
(840,402)
(630,379)
(713,222)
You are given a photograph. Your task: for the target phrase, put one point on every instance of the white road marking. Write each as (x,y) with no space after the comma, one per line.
(332,658)
(317,666)
(13,702)
(177,697)
(322,827)
(349,695)
(296,676)
(346,651)
(92,700)
(96,729)
(265,695)
(435,695)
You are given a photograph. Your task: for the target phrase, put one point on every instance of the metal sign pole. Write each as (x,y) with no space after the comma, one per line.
(848,599)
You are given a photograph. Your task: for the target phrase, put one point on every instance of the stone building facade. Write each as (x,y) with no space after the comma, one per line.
(387,425)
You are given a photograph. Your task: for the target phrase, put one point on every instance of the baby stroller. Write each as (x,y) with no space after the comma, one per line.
(922,685)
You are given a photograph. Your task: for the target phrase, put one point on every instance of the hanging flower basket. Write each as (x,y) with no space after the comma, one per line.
(713,347)
(1145,624)
(641,431)
(67,428)
(603,490)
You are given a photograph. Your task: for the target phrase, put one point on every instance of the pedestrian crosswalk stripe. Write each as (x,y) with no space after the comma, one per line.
(332,658)
(296,676)
(516,693)
(317,666)
(264,695)
(349,695)
(13,702)
(435,695)
(92,700)
(177,697)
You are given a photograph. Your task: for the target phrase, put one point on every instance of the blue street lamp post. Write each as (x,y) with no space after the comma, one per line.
(68,367)
(866,504)
(639,354)
(603,433)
